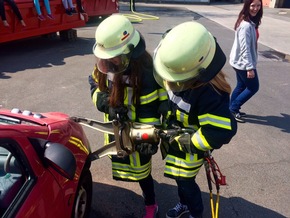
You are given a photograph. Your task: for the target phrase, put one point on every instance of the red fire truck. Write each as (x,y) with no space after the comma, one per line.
(62,23)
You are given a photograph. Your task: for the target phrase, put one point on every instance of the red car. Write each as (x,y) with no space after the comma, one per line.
(44,166)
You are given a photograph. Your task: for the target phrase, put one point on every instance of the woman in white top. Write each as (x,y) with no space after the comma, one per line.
(243,56)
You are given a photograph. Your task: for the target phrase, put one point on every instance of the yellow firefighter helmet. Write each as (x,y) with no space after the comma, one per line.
(116,39)
(188,53)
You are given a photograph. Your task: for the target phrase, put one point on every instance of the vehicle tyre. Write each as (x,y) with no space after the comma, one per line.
(68,35)
(83,200)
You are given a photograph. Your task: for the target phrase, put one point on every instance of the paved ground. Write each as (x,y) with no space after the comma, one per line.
(274,30)
(50,75)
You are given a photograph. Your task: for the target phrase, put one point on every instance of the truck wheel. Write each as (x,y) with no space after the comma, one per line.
(83,199)
(68,35)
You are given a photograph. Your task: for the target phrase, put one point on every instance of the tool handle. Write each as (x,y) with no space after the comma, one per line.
(166,134)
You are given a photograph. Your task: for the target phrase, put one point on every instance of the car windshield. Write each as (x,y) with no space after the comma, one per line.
(5,120)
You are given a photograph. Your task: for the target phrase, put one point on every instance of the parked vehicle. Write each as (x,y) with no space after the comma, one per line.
(62,24)
(102,8)
(44,165)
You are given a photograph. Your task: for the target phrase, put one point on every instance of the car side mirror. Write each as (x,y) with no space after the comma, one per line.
(61,159)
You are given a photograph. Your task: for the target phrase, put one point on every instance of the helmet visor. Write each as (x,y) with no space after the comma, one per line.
(113,65)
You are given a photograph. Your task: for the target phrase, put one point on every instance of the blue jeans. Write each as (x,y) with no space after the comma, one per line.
(244,90)
(37,6)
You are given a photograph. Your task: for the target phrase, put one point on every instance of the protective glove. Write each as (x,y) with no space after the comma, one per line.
(165,138)
(170,123)
(163,108)
(92,82)
(120,113)
(147,149)
(183,143)
(103,102)
(164,144)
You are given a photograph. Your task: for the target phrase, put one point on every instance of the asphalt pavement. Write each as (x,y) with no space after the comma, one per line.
(43,75)
(274,30)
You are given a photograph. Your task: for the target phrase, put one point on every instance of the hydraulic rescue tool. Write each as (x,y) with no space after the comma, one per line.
(129,134)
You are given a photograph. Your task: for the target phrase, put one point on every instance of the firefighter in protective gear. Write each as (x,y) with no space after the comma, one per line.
(123,84)
(188,62)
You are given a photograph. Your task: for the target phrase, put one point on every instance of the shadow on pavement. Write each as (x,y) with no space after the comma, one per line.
(36,52)
(275,121)
(117,202)
(39,52)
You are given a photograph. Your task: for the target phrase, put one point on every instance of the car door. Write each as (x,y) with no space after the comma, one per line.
(26,191)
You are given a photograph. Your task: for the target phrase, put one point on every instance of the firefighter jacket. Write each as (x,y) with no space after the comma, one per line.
(207,112)
(135,167)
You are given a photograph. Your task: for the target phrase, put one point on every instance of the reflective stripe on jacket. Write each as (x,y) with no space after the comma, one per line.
(207,112)
(186,167)
(135,167)
(131,169)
